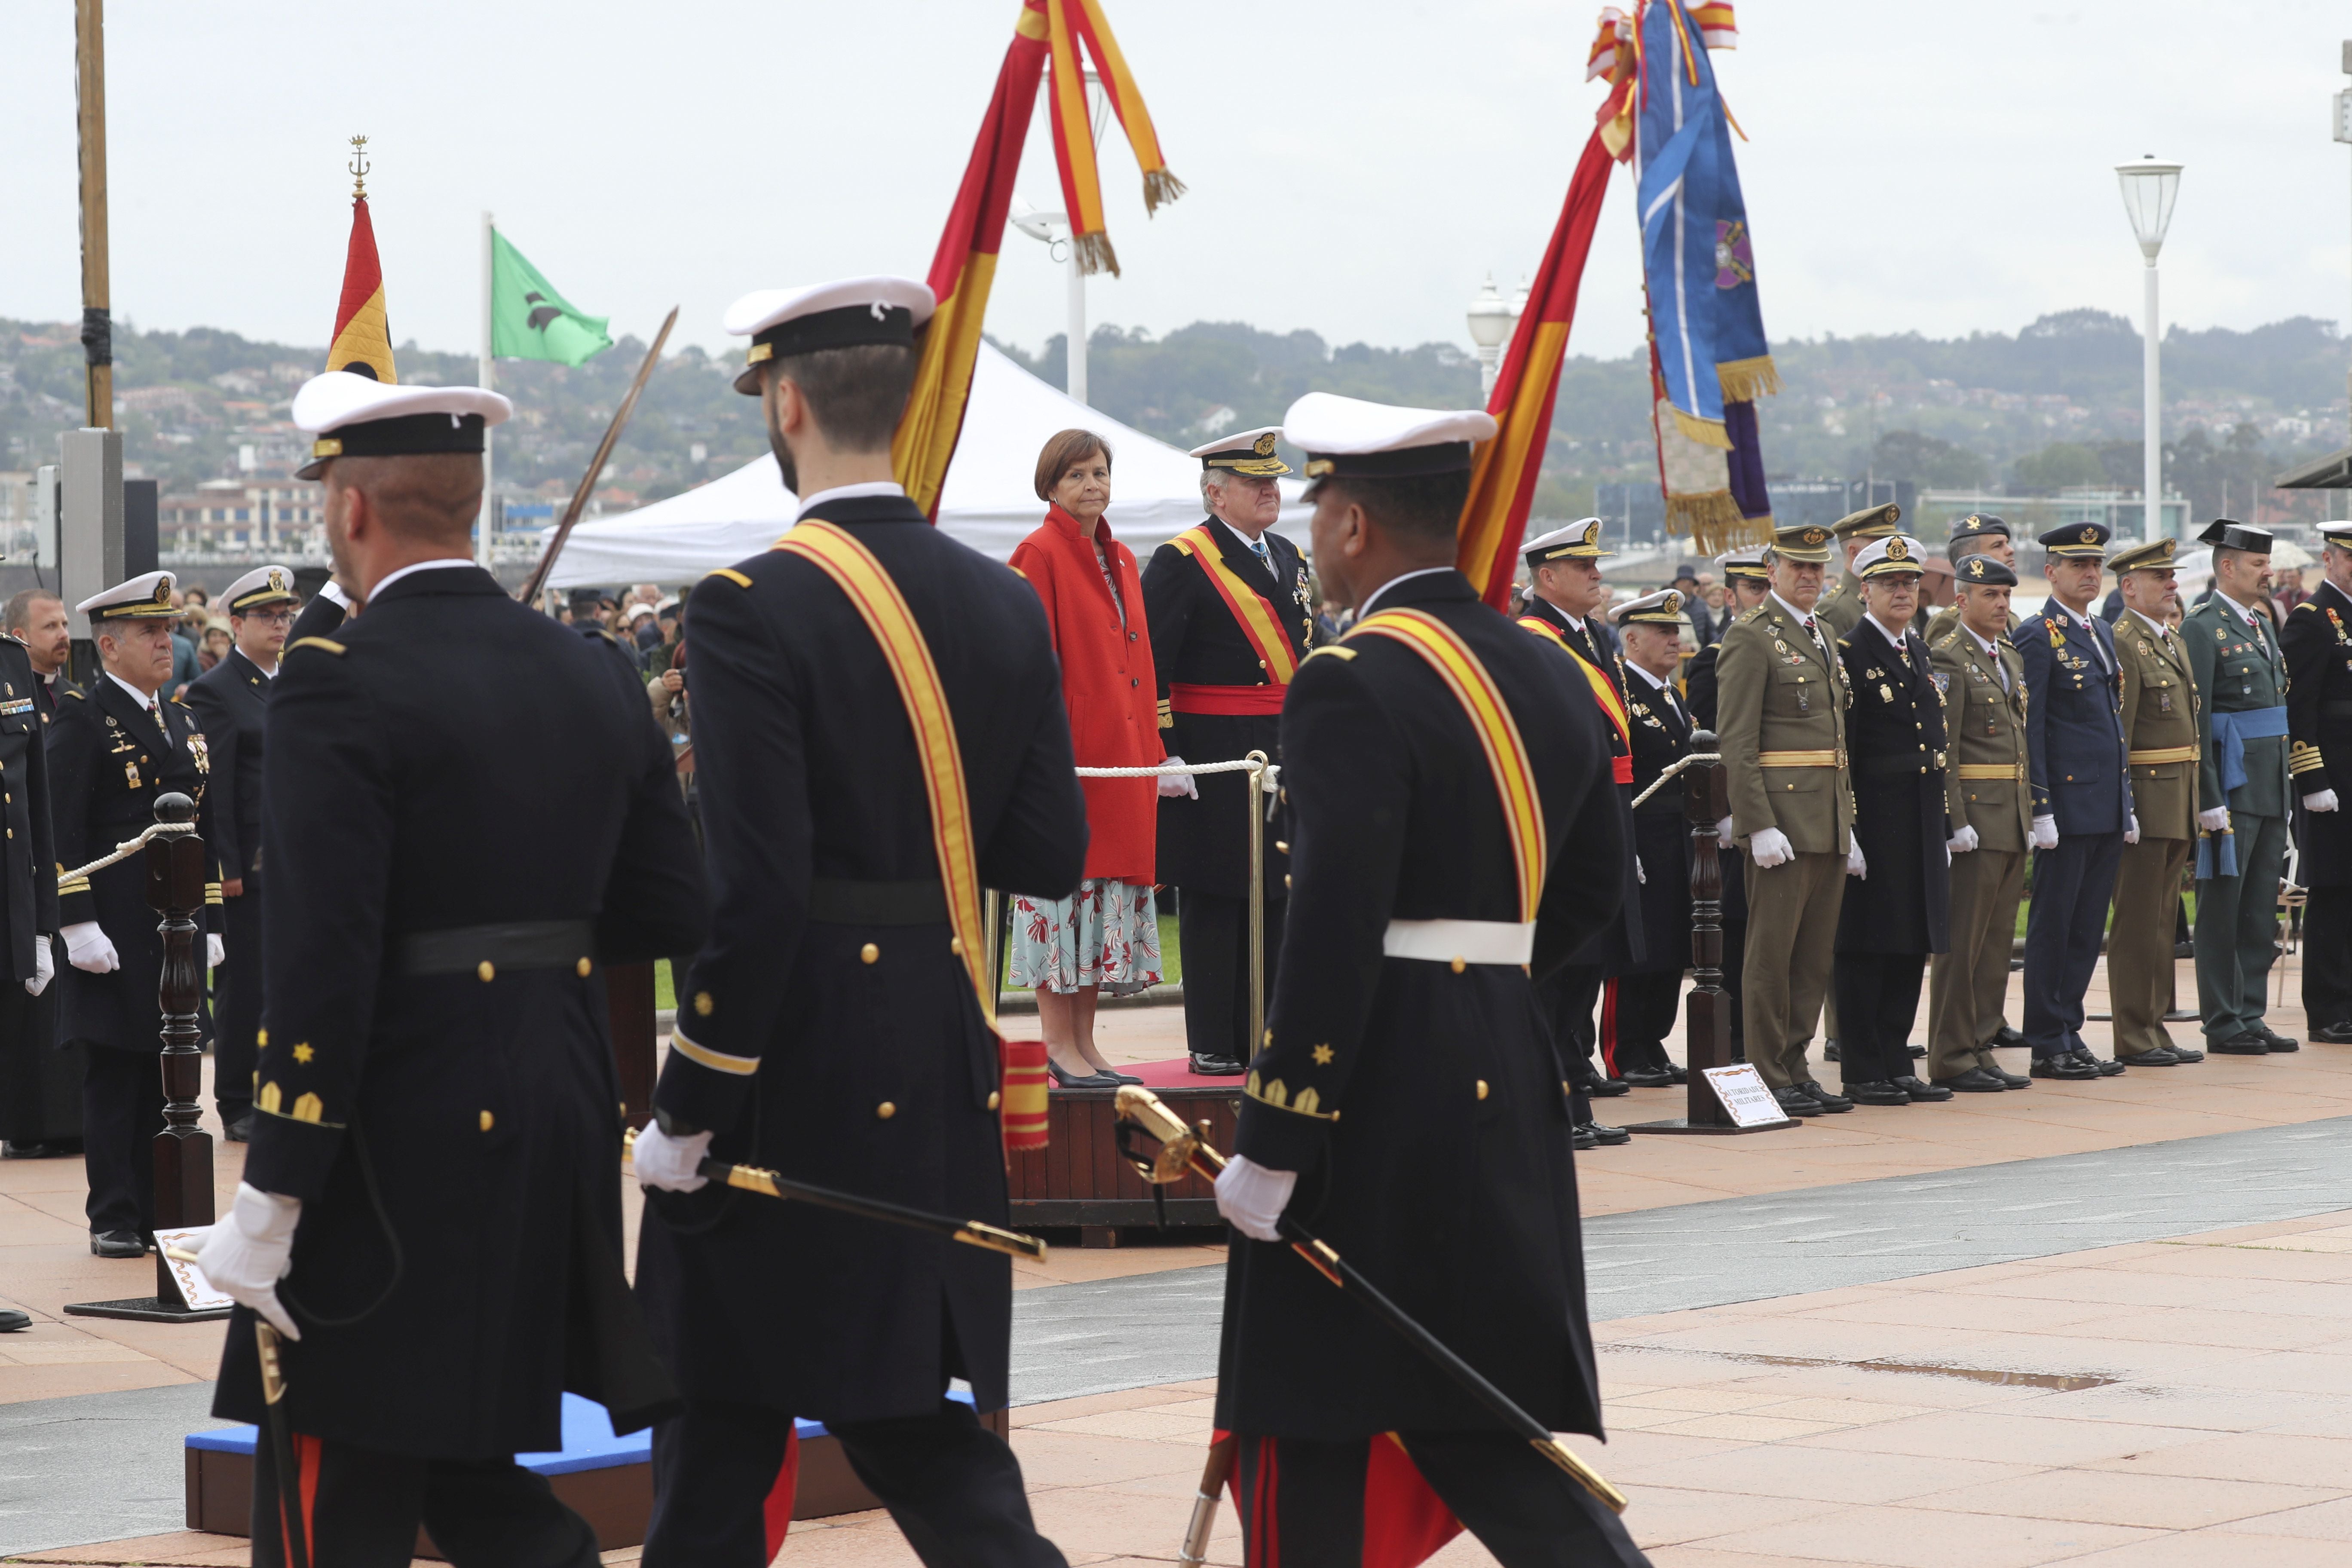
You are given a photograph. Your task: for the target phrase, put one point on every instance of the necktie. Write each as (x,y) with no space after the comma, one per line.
(1265,558)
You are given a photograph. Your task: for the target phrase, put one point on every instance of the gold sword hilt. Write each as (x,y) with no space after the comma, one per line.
(1183,1148)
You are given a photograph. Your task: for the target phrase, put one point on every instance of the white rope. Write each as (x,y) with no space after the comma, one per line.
(128,847)
(1168,769)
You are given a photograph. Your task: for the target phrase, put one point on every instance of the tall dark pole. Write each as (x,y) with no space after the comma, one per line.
(97,324)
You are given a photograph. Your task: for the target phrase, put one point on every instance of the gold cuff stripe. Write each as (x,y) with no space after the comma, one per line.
(2309,764)
(1829,759)
(329,644)
(2165,754)
(717,1062)
(2016,771)
(1307,1103)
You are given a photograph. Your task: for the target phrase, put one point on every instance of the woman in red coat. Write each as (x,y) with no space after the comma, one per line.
(1106,935)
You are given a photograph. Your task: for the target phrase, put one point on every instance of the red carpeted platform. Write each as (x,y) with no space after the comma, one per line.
(1079,1179)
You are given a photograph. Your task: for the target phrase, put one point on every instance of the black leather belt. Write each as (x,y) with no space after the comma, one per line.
(837,900)
(518,944)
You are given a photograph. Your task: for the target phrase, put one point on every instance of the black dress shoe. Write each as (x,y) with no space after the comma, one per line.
(35,1150)
(1976,1081)
(1649,1077)
(13,1320)
(1830,1102)
(2006,1038)
(1603,1135)
(1795,1101)
(1916,1051)
(116,1244)
(1918,1089)
(1875,1091)
(2105,1068)
(240,1129)
(2276,1041)
(1830,1052)
(1214,1066)
(2008,1079)
(2241,1046)
(2161,1056)
(2184,950)
(1608,1088)
(1582,1138)
(2062,1066)
(1681,1073)
(2332,1035)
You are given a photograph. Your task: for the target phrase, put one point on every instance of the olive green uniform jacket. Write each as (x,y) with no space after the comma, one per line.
(1779,697)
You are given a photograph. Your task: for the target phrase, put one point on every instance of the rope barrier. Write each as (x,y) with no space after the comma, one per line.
(1177,769)
(1694,760)
(128,847)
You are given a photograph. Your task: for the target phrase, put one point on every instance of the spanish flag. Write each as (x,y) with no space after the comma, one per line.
(1503,474)
(363,344)
(1068,24)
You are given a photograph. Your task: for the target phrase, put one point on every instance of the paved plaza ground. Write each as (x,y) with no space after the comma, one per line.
(2105,1323)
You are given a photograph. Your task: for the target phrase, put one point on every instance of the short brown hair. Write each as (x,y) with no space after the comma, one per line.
(428,495)
(856,395)
(19,613)
(1063,448)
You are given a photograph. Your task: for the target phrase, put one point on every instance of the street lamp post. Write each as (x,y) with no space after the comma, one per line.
(2148,189)
(1491,316)
(1053,230)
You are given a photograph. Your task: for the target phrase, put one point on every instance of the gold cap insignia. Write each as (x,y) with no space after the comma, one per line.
(276,580)
(1671,603)
(1897,550)
(759,351)
(326,447)
(1593,532)
(1976,565)
(2091,535)
(1265,445)
(1815,535)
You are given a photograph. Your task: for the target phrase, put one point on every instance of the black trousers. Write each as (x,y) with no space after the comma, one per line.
(2073,886)
(2327,957)
(1878,998)
(40,1083)
(121,1111)
(1637,1013)
(236,1002)
(1303,1503)
(362,1510)
(1213,934)
(951,1485)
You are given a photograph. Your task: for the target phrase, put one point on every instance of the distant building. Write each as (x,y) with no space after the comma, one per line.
(238,515)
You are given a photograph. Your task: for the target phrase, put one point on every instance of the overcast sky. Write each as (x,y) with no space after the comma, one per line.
(1356,166)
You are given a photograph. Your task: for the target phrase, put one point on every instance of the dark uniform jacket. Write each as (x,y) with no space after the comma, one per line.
(2074,722)
(828,1029)
(1204,843)
(1698,681)
(1449,1181)
(110,760)
(1903,811)
(2239,668)
(1661,732)
(2318,646)
(319,619)
(448,774)
(230,701)
(30,857)
(1620,945)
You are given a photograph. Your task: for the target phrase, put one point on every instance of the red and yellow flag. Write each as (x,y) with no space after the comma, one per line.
(363,343)
(1070,23)
(1503,476)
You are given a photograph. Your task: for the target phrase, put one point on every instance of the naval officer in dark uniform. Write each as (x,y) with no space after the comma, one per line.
(113,751)
(1230,615)
(1410,1101)
(2318,641)
(1747,583)
(2082,798)
(36,1114)
(230,701)
(832,1028)
(1640,1005)
(470,815)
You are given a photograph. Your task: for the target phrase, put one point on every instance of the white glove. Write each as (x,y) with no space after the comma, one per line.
(2045,833)
(214,950)
(2324,801)
(672,1164)
(1640,875)
(87,949)
(2215,820)
(248,1253)
(1722,834)
(1855,866)
(1963,841)
(2131,833)
(1251,1197)
(1769,848)
(1173,784)
(45,968)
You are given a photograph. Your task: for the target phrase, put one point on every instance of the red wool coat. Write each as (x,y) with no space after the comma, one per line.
(1107,685)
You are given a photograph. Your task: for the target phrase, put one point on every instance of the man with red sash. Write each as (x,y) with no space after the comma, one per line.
(1455,829)
(1230,615)
(878,731)
(1565,591)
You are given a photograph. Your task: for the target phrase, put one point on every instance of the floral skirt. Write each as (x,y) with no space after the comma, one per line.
(1106,934)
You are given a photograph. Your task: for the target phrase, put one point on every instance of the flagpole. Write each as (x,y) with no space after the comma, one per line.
(482,526)
(97,326)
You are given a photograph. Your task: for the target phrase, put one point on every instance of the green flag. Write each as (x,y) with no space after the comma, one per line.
(529,320)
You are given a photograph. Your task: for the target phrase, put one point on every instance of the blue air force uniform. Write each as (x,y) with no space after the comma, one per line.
(2074,740)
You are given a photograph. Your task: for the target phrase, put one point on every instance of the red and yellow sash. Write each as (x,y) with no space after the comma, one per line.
(1497,732)
(884,610)
(1622,765)
(1250,611)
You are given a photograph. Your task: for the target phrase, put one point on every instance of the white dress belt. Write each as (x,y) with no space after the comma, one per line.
(1469,942)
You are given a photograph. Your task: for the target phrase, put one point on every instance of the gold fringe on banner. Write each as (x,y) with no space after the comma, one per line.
(1713,522)
(1746,380)
(1159,187)
(1705,432)
(1095,254)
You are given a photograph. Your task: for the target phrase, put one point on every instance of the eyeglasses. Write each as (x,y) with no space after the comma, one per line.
(271,618)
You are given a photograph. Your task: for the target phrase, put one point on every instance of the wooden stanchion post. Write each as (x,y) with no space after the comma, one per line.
(629,1009)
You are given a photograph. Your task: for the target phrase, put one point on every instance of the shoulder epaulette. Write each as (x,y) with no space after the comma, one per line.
(80,696)
(2306,604)
(1008,567)
(20,642)
(1947,639)
(1845,642)
(1747,615)
(1334,649)
(329,644)
(733,576)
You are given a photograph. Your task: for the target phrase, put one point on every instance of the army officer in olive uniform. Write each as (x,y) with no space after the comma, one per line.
(1984,714)
(2160,716)
(2317,640)
(2243,791)
(1780,722)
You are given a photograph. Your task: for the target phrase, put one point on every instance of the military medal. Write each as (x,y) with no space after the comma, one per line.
(130,773)
(1886,693)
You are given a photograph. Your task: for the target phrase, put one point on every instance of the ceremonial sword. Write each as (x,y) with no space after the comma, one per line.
(970,1232)
(1184,1149)
(266,1340)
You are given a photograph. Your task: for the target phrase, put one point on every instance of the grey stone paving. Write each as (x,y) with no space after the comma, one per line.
(97,1466)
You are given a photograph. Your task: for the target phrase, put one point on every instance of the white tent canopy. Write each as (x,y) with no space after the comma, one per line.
(991,501)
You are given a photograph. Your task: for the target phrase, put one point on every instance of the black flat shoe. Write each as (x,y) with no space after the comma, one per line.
(2332,1035)
(2006,1038)
(2062,1068)
(1646,1078)
(1795,1101)
(2009,1079)
(1581,1138)
(116,1244)
(1602,1135)
(35,1150)
(14,1321)
(1068,1080)
(2276,1041)
(1917,1052)
(2099,1065)
(1875,1091)
(1608,1088)
(1681,1074)
(1830,1052)
(1217,1067)
(1829,1103)
(1918,1089)
(2241,1046)
(239,1131)
(1976,1081)
(2161,1056)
